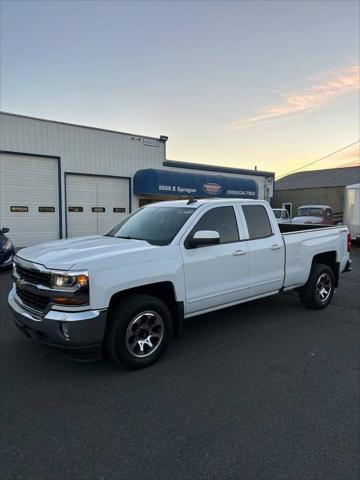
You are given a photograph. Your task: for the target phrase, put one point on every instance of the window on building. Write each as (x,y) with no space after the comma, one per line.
(119,210)
(257,220)
(19,209)
(76,209)
(222,220)
(98,209)
(47,209)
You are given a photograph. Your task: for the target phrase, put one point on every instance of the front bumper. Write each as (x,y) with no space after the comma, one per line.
(84,329)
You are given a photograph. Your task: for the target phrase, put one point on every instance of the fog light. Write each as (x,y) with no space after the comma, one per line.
(65,330)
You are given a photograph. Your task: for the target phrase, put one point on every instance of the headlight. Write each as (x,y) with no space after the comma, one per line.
(69,280)
(70,288)
(7,245)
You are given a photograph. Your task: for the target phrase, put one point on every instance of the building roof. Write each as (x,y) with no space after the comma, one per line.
(330,177)
(162,138)
(216,168)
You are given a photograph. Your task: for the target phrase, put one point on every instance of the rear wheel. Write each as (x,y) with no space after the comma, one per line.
(319,289)
(139,330)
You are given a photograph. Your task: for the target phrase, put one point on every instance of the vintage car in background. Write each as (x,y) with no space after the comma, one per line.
(313,214)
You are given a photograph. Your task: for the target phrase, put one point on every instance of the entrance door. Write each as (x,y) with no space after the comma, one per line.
(288,207)
(216,274)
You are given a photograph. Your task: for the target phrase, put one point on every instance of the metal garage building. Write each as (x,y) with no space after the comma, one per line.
(315,187)
(61,180)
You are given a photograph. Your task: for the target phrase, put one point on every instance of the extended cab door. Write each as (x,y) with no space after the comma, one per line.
(266,250)
(216,275)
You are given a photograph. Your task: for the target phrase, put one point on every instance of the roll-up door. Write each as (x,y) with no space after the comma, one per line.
(29,198)
(94,204)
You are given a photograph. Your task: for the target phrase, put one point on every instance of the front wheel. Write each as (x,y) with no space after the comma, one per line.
(139,330)
(319,289)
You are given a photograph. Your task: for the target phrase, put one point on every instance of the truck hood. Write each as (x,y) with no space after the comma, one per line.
(307,219)
(65,254)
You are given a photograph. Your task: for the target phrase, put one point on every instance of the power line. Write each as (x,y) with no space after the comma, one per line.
(319,159)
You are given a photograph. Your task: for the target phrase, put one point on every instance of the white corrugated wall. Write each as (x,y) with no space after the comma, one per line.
(81,149)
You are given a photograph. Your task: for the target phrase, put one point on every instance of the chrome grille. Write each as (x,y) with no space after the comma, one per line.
(37,302)
(33,276)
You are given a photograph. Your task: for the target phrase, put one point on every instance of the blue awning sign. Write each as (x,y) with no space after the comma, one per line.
(167,182)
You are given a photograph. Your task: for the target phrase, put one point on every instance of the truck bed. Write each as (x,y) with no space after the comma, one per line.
(303,242)
(299,227)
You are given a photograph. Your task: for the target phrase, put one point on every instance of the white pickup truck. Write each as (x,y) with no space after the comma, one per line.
(127,292)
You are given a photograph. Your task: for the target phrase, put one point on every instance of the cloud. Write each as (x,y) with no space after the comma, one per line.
(351,157)
(325,87)
(353,153)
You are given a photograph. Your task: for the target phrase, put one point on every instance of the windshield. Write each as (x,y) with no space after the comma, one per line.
(277,213)
(155,225)
(310,212)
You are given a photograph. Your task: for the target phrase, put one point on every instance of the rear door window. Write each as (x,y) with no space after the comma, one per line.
(257,220)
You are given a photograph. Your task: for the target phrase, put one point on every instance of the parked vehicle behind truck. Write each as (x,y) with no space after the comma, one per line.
(7,250)
(281,215)
(314,214)
(127,292)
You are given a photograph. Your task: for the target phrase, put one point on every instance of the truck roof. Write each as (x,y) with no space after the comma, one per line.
(203,201)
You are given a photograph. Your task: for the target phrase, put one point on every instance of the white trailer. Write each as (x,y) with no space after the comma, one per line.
(352,210)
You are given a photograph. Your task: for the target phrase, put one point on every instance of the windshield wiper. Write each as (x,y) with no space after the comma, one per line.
(128,237)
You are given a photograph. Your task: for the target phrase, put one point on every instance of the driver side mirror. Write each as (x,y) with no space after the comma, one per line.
(202,238)
(5,230)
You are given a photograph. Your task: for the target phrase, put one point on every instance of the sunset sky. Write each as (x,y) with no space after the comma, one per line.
(267,83)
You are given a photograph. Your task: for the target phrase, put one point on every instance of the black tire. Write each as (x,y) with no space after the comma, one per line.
(122,341)
(310,293)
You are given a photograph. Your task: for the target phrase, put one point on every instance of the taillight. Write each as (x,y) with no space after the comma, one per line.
(349,244)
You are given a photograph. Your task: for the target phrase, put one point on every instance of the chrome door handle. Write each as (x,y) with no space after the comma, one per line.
(275,247)
(237,253)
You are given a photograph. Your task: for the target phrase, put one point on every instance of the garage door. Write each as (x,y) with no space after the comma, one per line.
(29,198)
(95,204)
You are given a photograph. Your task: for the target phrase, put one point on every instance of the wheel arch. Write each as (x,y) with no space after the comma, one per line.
(164,291)
(330,259)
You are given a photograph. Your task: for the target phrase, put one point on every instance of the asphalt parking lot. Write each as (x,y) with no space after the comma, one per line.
(266,390)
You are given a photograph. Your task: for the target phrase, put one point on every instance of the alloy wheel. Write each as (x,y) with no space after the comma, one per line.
(323,287)
(144,334)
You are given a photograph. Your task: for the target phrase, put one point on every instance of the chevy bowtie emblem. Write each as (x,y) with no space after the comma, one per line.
(20,283)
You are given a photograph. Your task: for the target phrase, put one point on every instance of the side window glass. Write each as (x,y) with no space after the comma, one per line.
(222,220)
(257,220)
